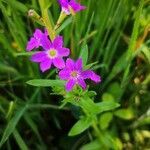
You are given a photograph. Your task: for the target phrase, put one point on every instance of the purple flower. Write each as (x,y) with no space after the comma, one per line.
(74,74)
(66,5)
(35,41)
(53,53)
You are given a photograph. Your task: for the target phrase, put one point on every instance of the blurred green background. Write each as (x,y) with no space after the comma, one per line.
(117,35)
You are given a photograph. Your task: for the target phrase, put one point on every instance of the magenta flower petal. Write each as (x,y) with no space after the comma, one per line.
(46,43)
(35,40)
(45,65)
(63,3)
(64,74)
(64,51)
(38,57)
(76,6)
(70,84)
(78,64)
(64,6)
(59,63)
(88,74)
(58,42)
(67,4)
(82,83)
(38,33)
(31,44)
(70,64)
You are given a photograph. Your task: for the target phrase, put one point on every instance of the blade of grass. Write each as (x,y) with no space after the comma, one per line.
(21,143)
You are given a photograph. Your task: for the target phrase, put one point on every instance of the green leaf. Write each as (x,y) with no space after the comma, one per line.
(116,90)
(7,69)
(64,25)
(20,141)
(84,54)
(80,126)
(90,65)
(88,105)
(144,121)
(94,145)
(45,82)
(32,125)
(126,114)
(107,97)
(146,51)
(105,120)
(117,68)
(12,124)
(18,6)
(91,94)
(106,106)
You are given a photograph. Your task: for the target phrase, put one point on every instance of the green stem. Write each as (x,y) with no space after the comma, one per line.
(45,106)
(61,18)
(99,135)
(46,19)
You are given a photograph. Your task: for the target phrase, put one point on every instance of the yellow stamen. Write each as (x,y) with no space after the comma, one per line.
(74,74)
(52,53)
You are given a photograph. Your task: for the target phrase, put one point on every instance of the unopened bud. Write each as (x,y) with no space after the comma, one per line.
(35,16)
(31,12)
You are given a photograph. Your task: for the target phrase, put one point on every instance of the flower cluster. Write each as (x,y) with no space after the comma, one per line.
(53,53)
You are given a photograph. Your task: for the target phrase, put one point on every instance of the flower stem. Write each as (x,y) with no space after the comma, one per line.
(46,19)
(60,20)
(99,135)
(45,106)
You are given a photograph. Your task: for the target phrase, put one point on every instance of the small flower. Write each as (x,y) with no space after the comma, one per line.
(35,41)
(67,5)
(74,74)
(53,53)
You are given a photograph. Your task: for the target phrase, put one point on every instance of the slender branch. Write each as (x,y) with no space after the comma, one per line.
(45,106)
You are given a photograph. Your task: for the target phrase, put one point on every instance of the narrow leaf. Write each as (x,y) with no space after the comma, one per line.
(105,120)
(12,124)
(94,145)
(20,141)
(106,106)
(84,54)
(80,126)
(126,114)
(45,83)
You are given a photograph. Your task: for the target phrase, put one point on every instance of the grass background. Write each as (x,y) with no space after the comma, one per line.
(116,32)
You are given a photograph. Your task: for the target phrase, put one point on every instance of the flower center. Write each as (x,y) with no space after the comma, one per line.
(74,74)
(52,53)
